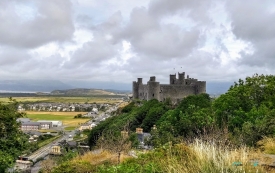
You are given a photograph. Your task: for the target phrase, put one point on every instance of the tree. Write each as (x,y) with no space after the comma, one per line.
(115,141)
(192,117)
(12,139)
(246,109)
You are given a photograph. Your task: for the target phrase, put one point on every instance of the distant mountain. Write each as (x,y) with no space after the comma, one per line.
(32,85)
(82,91)
(217,88)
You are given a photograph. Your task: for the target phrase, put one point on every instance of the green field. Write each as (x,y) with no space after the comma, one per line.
(66,117)
(56,99)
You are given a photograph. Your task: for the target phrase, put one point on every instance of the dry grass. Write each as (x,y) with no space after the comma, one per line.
(267,145)
(195,157)
(209,157)
(123,104)
(54,113)
(99,158)
(66,117)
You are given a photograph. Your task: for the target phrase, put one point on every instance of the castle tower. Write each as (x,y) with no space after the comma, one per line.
(173,79)
(136,87)
(200,87)
(181,78)
(153,89)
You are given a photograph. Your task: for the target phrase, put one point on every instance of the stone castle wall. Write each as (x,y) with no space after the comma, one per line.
(176,90)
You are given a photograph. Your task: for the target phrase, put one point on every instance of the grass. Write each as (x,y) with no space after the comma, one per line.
(66,117)
(70,128)
(47,130)
(43,143)
(267,145)
(198,156)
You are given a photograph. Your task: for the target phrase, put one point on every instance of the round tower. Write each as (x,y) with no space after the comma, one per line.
(136,87)
(135,90)
(200,87)
(181,78)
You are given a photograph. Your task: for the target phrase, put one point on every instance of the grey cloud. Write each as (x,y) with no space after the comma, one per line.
(255,23)
(93,53)
(163,41)
(12,57)
(52,22)
(196,9)
(105,44)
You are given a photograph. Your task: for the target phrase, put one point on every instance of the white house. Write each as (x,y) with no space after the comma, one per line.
(88,126)
(54,123)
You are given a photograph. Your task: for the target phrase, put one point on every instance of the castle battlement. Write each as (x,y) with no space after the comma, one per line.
(177,88)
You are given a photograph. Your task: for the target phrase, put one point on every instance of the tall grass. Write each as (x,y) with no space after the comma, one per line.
(194,157)
(209,157)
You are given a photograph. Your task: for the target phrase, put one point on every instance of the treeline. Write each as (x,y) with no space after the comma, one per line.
(243,115)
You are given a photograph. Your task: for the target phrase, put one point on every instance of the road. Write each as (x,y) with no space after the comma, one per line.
(44,151)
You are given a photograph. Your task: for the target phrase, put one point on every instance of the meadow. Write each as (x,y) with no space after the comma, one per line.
(66,117)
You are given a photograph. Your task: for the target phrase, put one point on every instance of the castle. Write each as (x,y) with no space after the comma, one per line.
(176,90)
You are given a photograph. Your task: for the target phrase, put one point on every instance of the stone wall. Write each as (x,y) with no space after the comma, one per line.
(176,90)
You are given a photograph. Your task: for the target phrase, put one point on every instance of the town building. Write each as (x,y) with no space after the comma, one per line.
(86,126)
(54,123)
(30,126)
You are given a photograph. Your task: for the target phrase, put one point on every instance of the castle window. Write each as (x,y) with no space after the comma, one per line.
(153,95)
(186,83)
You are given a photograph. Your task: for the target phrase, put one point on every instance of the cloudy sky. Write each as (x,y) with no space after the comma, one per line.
(120,40)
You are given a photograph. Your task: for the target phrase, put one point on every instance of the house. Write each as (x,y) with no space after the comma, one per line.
(95,110)
(86,126)
(46,125)
(22,120)
(142,137)
(35,134)
(55,150)
(27,126)
(54,123)
(68,145)
(20,108)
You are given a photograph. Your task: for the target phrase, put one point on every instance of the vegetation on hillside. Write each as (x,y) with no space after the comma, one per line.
(197,156)
(12,139)
(243,115)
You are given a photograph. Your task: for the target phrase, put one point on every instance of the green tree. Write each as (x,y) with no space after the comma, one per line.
(12,139)
(192,117)
(246,109)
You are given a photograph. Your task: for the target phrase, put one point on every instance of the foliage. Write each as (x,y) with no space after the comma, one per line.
(115,141)
(67,156)
(74,167)
(128,108)
(12,139)
(191,118)
(194,157)
(47,140)
(247,109)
